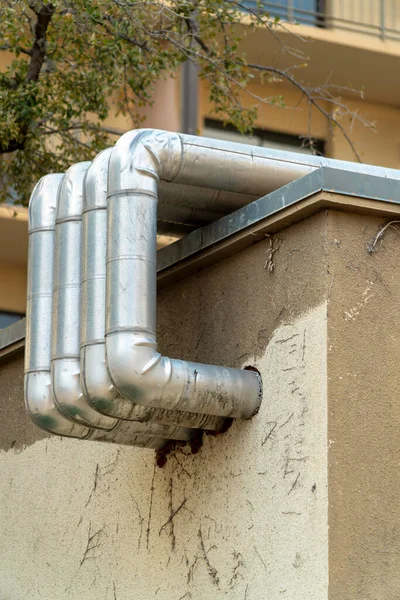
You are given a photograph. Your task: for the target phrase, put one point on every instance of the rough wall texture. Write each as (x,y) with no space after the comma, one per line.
(246,518)
(16,428)
(364,409)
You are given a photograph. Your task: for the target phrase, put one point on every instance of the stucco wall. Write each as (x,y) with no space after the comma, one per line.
(16,429)
(245,518)
(364,409)
(300,502)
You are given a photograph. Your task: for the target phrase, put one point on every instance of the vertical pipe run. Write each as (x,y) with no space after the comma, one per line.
(97,387)
(38,394)
(137,370)
(38,390)
(65,371)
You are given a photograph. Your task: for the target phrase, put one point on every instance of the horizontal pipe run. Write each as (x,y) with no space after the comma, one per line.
(154,380)
(244,174)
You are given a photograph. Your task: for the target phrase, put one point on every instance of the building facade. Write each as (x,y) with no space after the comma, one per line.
(302,500)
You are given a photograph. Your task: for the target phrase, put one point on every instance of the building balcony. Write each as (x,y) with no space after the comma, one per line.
(378,18)
(353,45)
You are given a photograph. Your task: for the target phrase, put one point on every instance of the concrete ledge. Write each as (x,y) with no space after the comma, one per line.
(12,340)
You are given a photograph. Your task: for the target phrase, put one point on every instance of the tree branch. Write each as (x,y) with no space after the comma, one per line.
(310,99)
(44,13)
(12,146)
(13,48)
(193,31)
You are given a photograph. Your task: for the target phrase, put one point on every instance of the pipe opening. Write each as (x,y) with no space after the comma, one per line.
(255,370)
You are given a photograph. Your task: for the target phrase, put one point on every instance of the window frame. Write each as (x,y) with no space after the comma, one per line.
(285,139)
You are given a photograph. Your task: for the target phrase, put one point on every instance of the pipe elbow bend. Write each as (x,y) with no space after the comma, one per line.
(104,397)
(96,385)
(148,151)
(68,395)
(143,375)
(137,370)
(42,203)
(44,413)
(101,394)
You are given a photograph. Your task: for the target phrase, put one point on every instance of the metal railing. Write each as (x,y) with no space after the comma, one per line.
(378,18)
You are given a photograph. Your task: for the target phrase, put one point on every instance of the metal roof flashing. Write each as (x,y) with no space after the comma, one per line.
(12,340)
(324,188)
(321,189)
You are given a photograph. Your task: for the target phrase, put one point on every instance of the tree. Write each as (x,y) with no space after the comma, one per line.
(68,58)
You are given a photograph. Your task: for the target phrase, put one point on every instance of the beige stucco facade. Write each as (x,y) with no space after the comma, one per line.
(300,502)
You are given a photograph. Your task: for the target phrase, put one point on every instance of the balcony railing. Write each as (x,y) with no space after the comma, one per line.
(379,18)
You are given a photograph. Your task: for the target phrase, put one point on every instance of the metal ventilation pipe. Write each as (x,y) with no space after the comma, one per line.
(65,371)
(39,399)
(98,389)
(248,172)
(65,366)
(137,370)
(39,396)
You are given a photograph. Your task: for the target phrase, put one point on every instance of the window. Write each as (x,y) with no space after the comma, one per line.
(295,11)
(262,137)
(8,318)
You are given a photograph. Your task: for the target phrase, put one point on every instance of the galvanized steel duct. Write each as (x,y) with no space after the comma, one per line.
(98,388)
(243,169)
(39,399)
(39,388)
(137,370)
(65,366)
(223,176)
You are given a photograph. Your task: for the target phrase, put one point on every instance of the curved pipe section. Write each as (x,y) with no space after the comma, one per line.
(39,399)
(65,366)
(243,174)
(65,371)
(137,369)
(96,384)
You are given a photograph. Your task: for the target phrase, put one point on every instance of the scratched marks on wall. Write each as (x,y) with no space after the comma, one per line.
(287,429)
